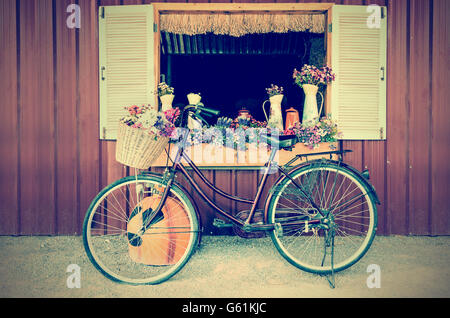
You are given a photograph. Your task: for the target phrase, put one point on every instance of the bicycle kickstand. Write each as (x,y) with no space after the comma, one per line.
(332,281)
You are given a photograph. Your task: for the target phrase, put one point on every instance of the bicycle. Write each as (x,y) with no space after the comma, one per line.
(321,216)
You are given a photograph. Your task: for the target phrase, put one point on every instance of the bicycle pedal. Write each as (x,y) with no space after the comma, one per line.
(219,223)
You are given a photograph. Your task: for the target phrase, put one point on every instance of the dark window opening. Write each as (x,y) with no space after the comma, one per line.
(232,73)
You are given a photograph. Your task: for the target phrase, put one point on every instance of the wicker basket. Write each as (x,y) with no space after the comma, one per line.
(136,148)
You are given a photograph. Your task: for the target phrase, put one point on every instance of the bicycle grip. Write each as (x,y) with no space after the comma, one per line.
(209,110)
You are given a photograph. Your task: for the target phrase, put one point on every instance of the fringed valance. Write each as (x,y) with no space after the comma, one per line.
(239,24)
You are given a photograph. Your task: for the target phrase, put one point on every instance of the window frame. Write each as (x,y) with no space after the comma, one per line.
(300,8)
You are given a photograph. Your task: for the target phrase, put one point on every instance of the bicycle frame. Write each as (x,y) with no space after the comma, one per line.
(247,225)
(284,216)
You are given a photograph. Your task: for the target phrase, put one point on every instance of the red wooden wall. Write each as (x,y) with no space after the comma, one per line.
(53,164)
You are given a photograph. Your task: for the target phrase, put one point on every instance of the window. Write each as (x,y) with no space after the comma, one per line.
(130,61)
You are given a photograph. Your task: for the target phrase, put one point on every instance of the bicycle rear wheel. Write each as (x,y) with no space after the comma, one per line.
(127,242)
(346,217)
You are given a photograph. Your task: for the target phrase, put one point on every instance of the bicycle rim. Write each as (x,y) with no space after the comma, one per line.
(346,206)
(121,248)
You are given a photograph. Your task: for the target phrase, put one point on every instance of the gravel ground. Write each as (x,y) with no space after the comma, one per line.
(229,267)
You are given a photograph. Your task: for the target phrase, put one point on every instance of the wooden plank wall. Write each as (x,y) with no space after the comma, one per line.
(53,164)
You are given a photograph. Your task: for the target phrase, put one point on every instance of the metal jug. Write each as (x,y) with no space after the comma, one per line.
(310,113)
(244,113)
(292,117)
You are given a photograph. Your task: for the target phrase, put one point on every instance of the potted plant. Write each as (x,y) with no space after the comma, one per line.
(275,119)
(165,93)
(310,78)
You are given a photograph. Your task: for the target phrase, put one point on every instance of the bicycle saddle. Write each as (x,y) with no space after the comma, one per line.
(282,141)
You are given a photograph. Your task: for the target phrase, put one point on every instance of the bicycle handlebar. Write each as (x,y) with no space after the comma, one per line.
(197,109)
(211,111)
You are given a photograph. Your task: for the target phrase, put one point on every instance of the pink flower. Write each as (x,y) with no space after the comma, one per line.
(172,114)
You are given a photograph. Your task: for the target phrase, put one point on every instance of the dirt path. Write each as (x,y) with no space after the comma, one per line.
(233,267)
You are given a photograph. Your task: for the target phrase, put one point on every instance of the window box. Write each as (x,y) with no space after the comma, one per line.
(216,157)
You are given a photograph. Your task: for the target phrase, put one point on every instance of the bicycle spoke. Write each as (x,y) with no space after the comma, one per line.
(111,215)
(109,225)
(357,214)
(324,186)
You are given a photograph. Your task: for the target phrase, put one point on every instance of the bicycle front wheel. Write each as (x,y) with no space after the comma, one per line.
(323,204)
(128,242)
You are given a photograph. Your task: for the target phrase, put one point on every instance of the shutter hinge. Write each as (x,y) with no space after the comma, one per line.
(102,12)
(104,133)
(330,27)
(381,133)
(155,27)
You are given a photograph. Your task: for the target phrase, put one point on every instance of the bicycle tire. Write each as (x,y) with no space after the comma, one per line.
(150,257)
(353,220)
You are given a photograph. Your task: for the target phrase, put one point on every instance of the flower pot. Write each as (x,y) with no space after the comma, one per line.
(275,120)
(310,112)
(166,101)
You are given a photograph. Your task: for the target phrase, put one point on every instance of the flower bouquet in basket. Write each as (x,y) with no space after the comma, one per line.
(143,134)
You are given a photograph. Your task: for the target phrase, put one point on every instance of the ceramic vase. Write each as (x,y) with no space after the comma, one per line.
(166,101)
(194,99)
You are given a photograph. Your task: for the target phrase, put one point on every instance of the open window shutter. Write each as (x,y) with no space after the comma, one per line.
(359,60)
(126,42)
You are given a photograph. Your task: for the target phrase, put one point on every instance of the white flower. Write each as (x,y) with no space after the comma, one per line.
(148,119)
